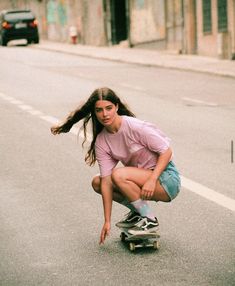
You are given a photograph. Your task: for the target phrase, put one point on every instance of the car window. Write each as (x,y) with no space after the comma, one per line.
(19,16)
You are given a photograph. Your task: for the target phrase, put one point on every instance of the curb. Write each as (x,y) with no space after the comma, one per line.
(184,61)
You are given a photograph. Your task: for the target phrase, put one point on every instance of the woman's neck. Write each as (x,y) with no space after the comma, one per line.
(114,127)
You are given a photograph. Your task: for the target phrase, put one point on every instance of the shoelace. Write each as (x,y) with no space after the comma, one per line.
(141,222)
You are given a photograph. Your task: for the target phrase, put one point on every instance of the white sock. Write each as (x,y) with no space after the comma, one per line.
(143,209)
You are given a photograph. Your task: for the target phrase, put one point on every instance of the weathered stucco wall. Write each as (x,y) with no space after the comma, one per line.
(231,29)
(190,30)
(166,23)
(207,42)
(93,23)
(85,16)
(147,21)
(174,25)
(55,18)
(215,44)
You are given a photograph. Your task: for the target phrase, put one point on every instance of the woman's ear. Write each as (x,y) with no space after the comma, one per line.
(117,107)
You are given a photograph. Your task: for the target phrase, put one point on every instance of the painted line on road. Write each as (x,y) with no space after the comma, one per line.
(15,101)
(188,184)
(25,107)
(207,193)
(35,112)
(201,102)
(137,88)
(50,119)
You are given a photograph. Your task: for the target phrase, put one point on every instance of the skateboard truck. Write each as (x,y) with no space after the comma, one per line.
(139,241)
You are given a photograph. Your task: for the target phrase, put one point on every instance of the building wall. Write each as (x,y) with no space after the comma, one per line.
(231,29)
(169,24)
(174,25)
(147,21)
(55,18)
(207,43)
(93,23)
(190,29)
(216,44)
(86,16)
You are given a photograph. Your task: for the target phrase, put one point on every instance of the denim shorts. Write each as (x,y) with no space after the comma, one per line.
(170,180)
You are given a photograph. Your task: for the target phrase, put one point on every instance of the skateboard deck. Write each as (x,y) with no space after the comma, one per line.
(139,241)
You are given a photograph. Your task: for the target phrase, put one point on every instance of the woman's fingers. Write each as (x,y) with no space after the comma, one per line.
(146,195)
(104,233)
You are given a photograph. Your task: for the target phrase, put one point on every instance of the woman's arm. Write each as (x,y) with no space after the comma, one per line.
(149,186)
(107,196)
(162,162)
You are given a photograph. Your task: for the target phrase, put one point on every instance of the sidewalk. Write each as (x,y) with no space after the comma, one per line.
(146,57)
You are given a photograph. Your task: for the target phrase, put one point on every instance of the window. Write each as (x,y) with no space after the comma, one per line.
(19,15)
(222,15)
(206,12)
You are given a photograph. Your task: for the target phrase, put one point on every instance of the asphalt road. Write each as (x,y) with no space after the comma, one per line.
(51,219)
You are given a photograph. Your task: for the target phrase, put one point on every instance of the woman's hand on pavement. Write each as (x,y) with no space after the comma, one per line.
(105,232)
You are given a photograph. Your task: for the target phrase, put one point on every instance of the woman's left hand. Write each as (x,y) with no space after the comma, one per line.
(147,190)
(105,232)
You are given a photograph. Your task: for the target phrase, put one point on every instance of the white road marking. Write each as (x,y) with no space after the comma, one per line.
(25,107)
(15,101)
(6,97)
(49,119)
(190,185)
(207,193)
(35,112)
(3,96)
(201,102)
(138,88)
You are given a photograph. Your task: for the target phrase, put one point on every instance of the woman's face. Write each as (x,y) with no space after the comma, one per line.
(106,112)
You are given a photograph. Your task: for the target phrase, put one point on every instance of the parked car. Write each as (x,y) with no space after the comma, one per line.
(18,24)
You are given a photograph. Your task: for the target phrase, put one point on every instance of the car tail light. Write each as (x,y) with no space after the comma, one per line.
(6,25)
(33,24)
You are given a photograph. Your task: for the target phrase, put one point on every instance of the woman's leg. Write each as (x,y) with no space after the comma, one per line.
(130,180)
(132,217)
(117,196)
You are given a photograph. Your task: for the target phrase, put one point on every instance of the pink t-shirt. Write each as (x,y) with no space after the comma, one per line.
(137,143)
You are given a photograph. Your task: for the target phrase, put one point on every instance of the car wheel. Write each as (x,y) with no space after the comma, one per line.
(3,42)
(36,40)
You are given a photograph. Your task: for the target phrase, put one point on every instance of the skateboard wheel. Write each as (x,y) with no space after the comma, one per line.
(132,246)
(123,237)
(156,245)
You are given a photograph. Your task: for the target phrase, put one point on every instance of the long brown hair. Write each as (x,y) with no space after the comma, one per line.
(87,112)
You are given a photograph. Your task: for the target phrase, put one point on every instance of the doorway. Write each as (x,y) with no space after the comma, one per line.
(119,31)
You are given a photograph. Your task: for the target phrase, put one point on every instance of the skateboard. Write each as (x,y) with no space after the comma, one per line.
(139,241)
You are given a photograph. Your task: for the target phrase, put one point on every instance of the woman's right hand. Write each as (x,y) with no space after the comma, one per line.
(56,129)
(61,128)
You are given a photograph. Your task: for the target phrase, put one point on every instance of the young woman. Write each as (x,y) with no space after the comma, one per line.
(148,172)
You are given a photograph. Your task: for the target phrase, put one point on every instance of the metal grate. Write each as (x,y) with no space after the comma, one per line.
(206,12)
(222,15)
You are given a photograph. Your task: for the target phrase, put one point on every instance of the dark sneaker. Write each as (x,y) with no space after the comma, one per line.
(129,220)
(145,226)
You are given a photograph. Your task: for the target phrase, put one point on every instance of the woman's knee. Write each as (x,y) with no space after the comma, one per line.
(96,184)
(118,175)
